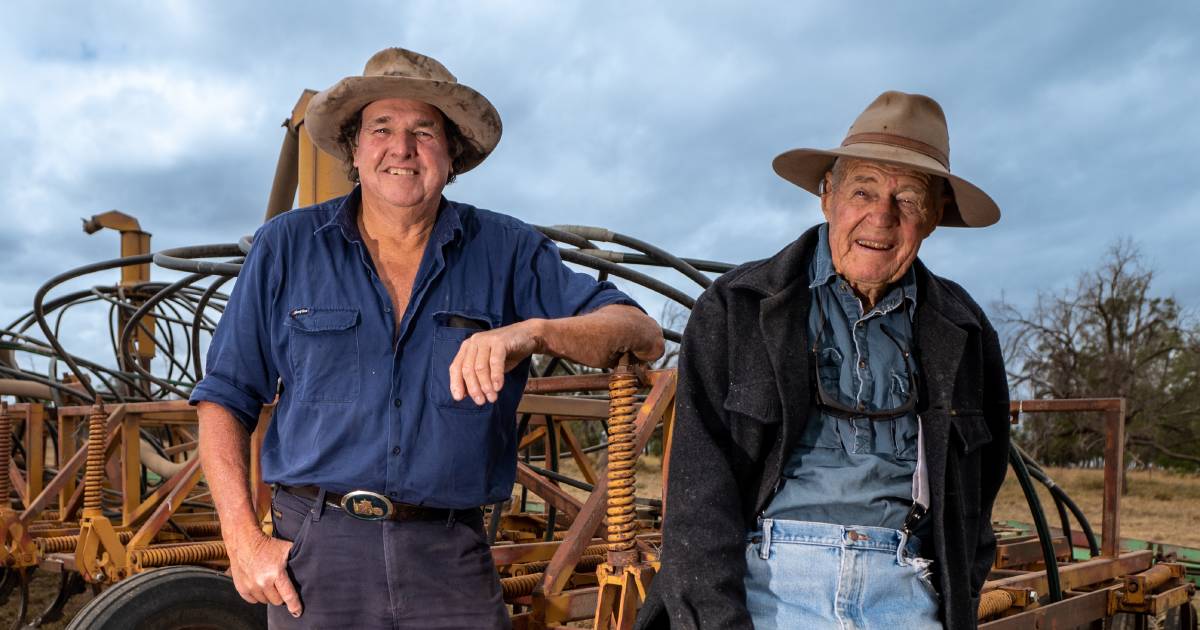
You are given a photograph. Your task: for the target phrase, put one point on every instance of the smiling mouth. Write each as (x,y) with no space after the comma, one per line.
(401,171)
(878,246)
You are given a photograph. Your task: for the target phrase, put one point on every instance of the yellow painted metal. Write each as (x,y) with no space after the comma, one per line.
(134,242)
(322,176)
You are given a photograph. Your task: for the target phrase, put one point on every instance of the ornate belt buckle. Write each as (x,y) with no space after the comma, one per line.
(367,506)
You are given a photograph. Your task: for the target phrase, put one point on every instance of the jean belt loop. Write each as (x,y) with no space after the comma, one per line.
(900,548)
(450,520)
(318,506)
(274,491)
(764,550)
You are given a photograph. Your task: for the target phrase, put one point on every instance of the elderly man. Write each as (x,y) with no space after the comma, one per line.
(842,423)
(398,326)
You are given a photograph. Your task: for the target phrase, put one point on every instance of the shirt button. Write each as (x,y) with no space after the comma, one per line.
(396,403)
(395,450)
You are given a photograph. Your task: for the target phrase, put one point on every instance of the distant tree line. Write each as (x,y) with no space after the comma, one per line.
(1108,335)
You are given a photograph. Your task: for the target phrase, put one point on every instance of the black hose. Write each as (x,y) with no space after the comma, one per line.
(666,258)
(40,314)
(657,286)
(1039,522)
(180,259)
(1037,472)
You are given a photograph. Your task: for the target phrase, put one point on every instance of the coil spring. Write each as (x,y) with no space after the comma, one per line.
(521,585)
(57,544)
(190,553)
(586,563)
(202,529)
(994,602)
(5,454)
(93,478)
(621,460)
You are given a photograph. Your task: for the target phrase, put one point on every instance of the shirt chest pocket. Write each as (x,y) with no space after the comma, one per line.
(323,351)
(453,328)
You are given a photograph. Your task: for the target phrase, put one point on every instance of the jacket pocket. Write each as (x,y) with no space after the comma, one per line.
(758,401)
(323,350)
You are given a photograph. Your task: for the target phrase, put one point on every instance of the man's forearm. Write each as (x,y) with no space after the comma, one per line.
(600,338)
(225,455)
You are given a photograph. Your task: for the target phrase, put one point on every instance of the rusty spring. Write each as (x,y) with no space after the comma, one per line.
(57,544)
(93,478)
(190,553)
(994,602)
(621,460)
(5,454)
(586,563)
(521,585)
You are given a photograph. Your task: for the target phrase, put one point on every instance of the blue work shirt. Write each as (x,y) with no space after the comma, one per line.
(855,471)
(365,404)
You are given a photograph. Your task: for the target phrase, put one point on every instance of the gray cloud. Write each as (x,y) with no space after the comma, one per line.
(656,120)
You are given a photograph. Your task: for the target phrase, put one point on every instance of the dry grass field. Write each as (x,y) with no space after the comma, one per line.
(1160,506)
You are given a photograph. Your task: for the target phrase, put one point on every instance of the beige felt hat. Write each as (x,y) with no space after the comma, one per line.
(400,73)
(906,130)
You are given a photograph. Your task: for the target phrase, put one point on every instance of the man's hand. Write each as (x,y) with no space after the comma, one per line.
(479,367)
(259,566)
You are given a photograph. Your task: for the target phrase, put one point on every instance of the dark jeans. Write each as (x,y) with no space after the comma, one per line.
(386,574)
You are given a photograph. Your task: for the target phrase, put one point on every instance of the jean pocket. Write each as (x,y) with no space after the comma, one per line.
(323,350)
(291,520)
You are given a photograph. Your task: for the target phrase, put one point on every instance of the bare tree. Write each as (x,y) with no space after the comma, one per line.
(1110,336)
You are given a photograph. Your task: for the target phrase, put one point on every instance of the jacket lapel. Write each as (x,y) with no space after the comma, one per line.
(941,341)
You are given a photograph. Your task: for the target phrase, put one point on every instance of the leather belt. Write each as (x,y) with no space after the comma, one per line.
(372,506)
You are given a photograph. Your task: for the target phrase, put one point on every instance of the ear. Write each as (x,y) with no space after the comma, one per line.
(827,197)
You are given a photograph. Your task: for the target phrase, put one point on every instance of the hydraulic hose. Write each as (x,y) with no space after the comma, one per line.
(1039,522)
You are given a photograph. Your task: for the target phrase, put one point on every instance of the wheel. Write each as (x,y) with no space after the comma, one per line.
(172,598)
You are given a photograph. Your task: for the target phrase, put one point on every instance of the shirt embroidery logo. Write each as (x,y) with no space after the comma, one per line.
(299,311)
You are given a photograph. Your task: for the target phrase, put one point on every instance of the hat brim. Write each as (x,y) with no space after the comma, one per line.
(971,207)
(471,112)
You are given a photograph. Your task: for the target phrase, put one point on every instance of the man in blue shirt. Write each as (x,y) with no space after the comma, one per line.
(397,328)
(842,417)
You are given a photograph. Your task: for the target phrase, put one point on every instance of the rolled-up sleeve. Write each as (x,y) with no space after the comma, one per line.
(241,374)
(546,287)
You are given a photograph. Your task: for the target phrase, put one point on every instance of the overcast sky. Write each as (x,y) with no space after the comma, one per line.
(658,120)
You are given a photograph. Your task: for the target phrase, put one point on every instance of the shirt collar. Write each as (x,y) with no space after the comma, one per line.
(821,272)
(446,227)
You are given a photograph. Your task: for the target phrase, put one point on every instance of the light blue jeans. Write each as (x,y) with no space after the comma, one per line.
(815,576)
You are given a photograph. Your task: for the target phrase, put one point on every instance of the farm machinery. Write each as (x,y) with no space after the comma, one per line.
(105,492)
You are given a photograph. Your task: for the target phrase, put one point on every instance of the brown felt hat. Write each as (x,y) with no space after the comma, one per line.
(901,129)
(400,73)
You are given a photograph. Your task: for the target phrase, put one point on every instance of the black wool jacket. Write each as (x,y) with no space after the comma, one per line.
(743,401)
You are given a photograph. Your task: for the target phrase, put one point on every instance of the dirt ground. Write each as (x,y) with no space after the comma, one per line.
(42,588)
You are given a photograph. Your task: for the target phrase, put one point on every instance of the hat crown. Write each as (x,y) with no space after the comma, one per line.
(912,121)
(398,62)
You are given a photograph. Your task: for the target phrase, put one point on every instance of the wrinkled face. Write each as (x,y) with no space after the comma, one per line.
(402,155)
(878,215)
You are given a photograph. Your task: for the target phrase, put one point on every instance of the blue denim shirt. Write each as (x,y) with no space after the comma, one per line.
(366,404)
(855,471)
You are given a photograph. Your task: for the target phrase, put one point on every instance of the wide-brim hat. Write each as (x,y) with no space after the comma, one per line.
(400,73)
(900,129)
